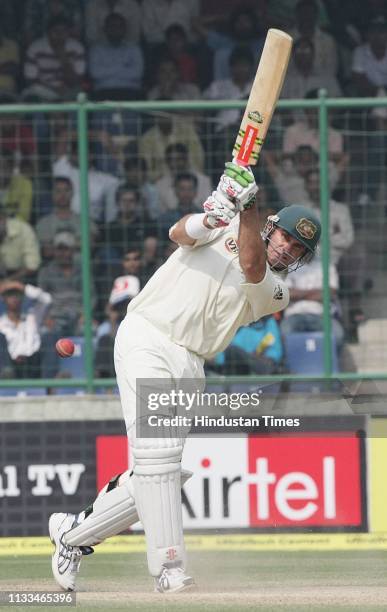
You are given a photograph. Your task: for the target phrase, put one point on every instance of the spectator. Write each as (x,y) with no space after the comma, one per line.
(216,13)
(37,14)
(62,219)
(55,64)
(304,77)
(305,311)
(157,15)
(62,278)
(15,189)
(348,256)
(367,129)
(102,186)
(125,288)
(20,330)
(54,133)
(305,131)
(112,132)
(108,269)
(9,62)
(9,17)
(369,68)
(19,249)
(237,87)
(255,349)
(282,13)
(169,85)
(176,156)
(243,31)
(97,11)
(341,228)
(326,56)
(169,129)
(150,258)
(177,48)
(349,18)
(288,172)
(136,174)
(16,134)
(131,226)
(116,66)
(186,186)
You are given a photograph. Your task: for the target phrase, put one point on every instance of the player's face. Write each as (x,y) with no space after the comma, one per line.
(283,250)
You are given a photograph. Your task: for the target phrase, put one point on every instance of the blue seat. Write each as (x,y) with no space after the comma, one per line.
(15,392)
(304,354)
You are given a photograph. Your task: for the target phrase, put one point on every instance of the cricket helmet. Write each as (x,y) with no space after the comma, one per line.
(301,223)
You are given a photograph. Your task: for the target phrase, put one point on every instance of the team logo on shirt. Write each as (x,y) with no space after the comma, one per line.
(231,245)
(278,293)
(306,228)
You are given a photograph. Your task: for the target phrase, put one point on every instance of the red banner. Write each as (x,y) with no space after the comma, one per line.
(301,481)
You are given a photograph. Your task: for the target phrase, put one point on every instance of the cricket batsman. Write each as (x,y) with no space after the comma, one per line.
(224,275)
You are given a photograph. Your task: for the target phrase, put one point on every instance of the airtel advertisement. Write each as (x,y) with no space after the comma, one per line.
(315,481)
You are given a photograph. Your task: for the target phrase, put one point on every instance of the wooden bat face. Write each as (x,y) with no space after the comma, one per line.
(263,97)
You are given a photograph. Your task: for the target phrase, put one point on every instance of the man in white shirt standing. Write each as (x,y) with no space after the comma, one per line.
(237,87)
(102,186)
(20,338)
(305,311)
(224,275)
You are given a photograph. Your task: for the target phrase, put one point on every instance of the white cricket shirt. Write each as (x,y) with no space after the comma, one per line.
(199,297)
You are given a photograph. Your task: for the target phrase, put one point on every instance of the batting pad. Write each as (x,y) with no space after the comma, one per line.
(157,484)
(113,512)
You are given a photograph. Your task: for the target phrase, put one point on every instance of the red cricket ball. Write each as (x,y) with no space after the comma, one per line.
(65,347)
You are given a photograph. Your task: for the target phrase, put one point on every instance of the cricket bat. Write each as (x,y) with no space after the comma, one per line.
(263,97)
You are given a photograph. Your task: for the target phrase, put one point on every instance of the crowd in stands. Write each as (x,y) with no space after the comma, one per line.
(146,170)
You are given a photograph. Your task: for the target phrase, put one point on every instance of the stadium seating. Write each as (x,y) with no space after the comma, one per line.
(29,392)
(304,354)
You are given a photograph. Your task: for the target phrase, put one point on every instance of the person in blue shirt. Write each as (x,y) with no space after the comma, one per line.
(255,349)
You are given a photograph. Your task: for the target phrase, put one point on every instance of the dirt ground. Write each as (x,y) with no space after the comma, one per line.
(227,581)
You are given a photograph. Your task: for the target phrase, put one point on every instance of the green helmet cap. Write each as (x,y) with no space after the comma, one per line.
(301,223)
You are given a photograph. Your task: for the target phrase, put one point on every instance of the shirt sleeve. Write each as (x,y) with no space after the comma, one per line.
(42,301)
(269,295)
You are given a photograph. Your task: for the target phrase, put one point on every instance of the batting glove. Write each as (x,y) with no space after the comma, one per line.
(220,210)
(238,184)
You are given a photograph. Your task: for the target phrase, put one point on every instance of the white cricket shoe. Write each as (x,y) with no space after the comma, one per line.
(65,559)
(173,580)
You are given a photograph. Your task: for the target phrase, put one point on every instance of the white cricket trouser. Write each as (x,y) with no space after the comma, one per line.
(142,351)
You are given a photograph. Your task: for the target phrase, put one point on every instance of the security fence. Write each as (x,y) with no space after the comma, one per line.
(129,170)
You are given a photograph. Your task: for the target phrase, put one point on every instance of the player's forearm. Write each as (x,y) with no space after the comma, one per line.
(178,233)
(252,251)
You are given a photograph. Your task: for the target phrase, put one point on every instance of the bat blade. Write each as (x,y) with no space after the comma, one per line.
(263,97)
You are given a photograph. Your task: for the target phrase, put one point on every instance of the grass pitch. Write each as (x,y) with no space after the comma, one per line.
(291,581)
